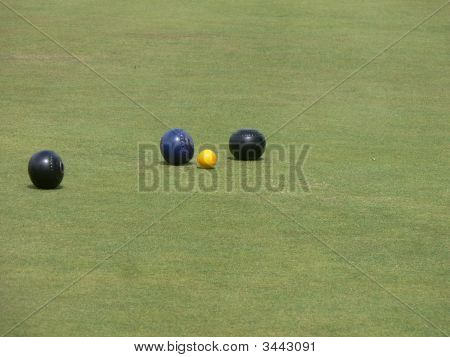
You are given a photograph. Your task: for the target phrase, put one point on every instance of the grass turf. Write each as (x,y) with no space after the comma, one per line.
(226,264)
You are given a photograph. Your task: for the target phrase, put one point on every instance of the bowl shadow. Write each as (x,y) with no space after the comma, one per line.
(163,163)
(33,187)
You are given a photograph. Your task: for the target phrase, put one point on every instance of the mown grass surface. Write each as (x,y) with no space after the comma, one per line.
(226,263)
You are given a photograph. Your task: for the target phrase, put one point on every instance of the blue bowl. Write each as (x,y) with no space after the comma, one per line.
(177,147)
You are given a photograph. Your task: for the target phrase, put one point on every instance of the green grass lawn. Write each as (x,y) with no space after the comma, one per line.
(364,253)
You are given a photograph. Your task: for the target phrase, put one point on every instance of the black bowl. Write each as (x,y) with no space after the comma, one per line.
(46,169)
(247,144)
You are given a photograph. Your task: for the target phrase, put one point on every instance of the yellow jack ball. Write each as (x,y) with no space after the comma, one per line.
(207,159)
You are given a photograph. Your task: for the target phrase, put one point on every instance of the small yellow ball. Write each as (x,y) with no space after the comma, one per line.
(207,159)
